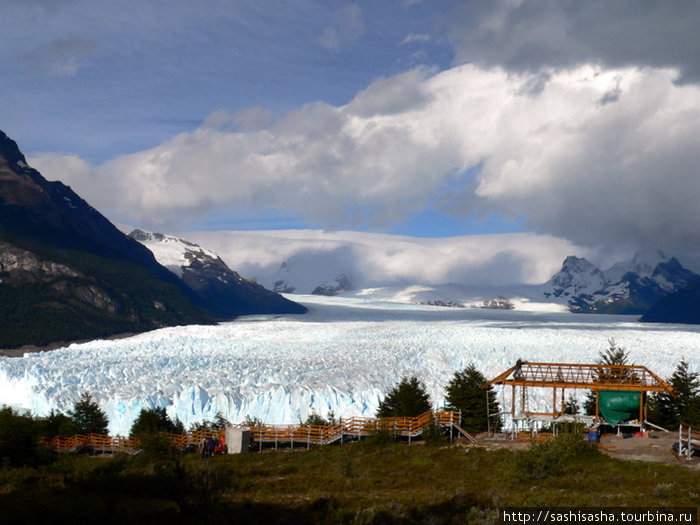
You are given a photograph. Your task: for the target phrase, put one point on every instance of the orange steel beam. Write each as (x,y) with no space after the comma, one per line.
(589,376)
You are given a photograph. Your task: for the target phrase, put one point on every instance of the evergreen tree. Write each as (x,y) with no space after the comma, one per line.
(668,411)
(219,423)
(317,419)
(153,421)
(465,392)
(571,405)
(87,416)
(408,398)
(611,357)
(57,424)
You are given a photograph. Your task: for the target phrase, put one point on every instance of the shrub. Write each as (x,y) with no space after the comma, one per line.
(19,439)
(434,435)
(153,421)
(316,419)
(550,458)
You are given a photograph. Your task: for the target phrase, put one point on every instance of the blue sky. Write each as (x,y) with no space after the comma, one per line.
(573,119)
(109,78)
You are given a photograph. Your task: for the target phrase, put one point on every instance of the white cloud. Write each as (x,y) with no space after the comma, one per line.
(89,182)
(380,259)
(592,155)
(415,37)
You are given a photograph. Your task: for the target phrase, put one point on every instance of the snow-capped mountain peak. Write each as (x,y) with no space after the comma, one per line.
(172,252)
(221,289)
(577,276)
(630,287)
(643,264)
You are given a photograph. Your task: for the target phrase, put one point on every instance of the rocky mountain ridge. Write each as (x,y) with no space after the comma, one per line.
(211,279)
(632,287)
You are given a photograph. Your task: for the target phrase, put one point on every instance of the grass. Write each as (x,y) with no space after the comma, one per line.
(358,483)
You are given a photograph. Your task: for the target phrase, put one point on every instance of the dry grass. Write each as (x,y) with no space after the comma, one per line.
(358,483)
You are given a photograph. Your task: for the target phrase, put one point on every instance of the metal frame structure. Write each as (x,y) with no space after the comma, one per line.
(596,377)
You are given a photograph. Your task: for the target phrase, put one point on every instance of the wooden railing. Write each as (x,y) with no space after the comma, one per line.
(100,443)
(352,428)
(688,440)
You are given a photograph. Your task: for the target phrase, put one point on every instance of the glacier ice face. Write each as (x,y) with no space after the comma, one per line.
(342,356)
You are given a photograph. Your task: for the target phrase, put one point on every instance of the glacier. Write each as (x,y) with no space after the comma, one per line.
(342,356)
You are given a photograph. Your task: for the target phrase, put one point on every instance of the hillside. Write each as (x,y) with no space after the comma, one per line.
(67,273)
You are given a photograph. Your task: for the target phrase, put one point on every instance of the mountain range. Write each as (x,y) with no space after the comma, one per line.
(67,273)
(631,287)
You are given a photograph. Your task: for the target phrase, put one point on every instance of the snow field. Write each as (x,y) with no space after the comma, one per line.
(341,356)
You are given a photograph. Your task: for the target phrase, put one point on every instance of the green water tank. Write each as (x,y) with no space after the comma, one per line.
(616,406)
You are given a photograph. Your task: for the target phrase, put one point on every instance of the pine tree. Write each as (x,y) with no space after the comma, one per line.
(612,357)
(668,411)
(465,392)
(153,421)
(87,416)
(571,406)
(408,398)
(57,424)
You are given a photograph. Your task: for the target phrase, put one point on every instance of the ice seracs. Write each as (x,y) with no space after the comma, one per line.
(342,356)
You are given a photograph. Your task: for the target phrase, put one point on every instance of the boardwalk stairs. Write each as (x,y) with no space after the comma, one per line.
(348,429)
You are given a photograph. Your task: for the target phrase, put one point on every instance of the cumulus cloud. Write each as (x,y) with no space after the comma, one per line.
(598,156)
(529,35)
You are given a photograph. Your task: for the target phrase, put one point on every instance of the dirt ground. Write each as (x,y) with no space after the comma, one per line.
(654,446)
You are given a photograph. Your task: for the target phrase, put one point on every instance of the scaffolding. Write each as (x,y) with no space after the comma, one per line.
(562,376)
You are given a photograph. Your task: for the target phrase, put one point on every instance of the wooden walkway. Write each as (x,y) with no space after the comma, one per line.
(348,429)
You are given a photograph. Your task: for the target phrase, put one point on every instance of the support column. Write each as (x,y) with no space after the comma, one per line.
(563,400)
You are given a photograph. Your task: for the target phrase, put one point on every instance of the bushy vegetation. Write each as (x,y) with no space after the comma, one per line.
(219,423)
(65,317)
(152,421)
(354,483)
(552,457)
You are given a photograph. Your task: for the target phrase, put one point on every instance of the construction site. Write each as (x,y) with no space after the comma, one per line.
(619,425)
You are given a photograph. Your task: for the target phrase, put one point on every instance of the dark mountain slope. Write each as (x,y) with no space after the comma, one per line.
(67,273)
(682,306)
